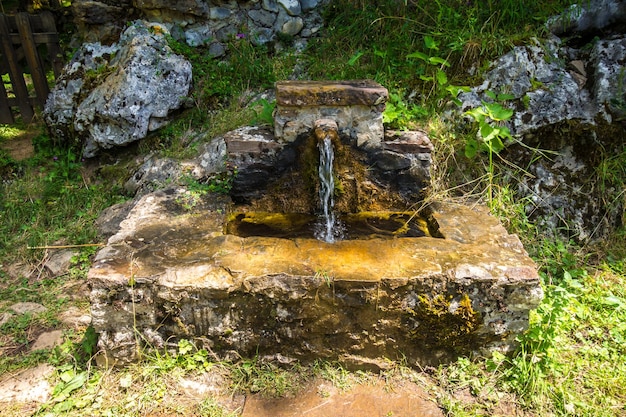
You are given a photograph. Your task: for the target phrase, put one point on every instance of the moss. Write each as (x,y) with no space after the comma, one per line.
(446,327)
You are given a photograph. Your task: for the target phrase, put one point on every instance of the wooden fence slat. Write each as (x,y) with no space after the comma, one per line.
(52,42)
(15,72)
(37,70)
(6,116)
(21,35)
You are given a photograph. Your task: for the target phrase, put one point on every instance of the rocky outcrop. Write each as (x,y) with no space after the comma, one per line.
(569,106)
(114,95)
(588,18)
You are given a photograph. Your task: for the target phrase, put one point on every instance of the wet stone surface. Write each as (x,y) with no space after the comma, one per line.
(171,272)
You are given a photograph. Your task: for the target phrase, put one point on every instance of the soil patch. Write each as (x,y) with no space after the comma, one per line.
(321,399)
(21,147)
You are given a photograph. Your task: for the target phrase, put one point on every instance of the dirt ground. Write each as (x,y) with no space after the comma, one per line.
(321,399)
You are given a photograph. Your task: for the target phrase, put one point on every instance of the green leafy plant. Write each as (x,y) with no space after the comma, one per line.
(264,378)
(264,116)
(432,71)
(490,117)
(191,358)
(491,135)
(399,114)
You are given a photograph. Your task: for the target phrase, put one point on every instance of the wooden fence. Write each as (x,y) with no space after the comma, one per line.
(30,50)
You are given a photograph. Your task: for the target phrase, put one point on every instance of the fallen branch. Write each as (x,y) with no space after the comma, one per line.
(86,245)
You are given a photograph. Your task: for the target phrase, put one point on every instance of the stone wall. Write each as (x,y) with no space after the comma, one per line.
(199,22)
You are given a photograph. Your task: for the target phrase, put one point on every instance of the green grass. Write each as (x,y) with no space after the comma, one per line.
(571,359)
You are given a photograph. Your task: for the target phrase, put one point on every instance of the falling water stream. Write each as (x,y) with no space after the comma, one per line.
(327,224)
(328,229)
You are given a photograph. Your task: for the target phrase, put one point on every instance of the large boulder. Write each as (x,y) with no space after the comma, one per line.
(114,95)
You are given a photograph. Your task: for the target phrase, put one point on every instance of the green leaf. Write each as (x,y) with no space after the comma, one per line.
(505,97)
(442,78)
(355,58)
(614,301)
(418,55)
(487,132)
(490,94)
(426,78)
(505,133)
(477,113)
(435,60)
(391,113)
(63,390)
(497,112)
(454,90)
(496,144)
(471,148)
(430,43)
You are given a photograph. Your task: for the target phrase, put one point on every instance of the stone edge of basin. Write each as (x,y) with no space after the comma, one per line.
(296,93)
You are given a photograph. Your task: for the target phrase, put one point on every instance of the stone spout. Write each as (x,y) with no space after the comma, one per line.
(323,128)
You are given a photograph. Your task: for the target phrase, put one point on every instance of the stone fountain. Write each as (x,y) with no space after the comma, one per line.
(247,275)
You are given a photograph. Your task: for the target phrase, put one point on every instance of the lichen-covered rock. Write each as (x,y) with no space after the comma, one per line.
(156,173)
(544,90)
(73,86)
(125,96)
(608,59)
(569,106)
(102,21)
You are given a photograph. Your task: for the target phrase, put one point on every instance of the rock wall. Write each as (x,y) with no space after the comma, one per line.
(201,22)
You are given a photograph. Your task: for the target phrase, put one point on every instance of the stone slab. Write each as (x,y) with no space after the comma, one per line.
(172,273)
(330,93)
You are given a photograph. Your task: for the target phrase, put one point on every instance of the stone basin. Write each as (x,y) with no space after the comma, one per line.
(171,272)
(362,225)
